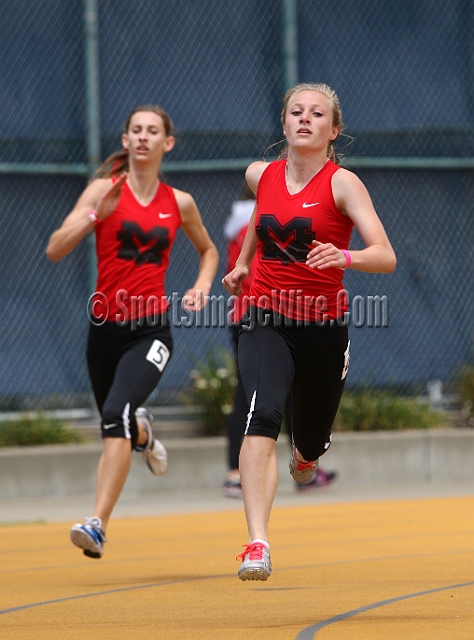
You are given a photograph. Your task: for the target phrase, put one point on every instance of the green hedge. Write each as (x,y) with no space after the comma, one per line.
(464,384)
(212,388)
(39,430)
(382,411)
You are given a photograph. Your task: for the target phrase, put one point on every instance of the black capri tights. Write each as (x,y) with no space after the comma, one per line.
(125,365)
(309,361)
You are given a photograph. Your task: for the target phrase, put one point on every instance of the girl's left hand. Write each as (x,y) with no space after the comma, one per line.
(324,256)
(193,300)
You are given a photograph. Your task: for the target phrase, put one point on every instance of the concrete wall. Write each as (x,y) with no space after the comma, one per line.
(360,458)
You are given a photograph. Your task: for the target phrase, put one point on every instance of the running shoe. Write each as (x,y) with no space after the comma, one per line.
(302,472)
(153,452)
(89,537)
(320,479)
(232,488)
(256,563)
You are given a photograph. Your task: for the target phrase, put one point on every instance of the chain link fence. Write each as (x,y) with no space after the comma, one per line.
(404,75)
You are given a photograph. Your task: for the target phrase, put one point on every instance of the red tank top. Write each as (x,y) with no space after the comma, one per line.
(286,224)
(133,248)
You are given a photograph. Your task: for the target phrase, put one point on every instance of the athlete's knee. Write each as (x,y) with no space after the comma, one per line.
(265,421)
(118,422)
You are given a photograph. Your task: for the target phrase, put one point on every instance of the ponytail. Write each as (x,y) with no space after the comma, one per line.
(116,164)
(332,154)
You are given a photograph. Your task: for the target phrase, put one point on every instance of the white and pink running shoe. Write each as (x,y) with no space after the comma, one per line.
(256,563)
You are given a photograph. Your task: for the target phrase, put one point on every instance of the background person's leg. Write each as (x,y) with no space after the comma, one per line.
(235,428)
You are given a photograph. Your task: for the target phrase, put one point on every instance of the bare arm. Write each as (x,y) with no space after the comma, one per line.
(353,199)
(197,233)
(254,173)
(232,281)
(101,196)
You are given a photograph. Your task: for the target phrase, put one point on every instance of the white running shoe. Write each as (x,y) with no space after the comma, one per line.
(153,452)
(302,472)
(89,537)
(256,563)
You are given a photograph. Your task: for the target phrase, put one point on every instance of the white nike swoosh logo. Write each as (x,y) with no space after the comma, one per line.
(310,204)
(164,215)
(109,426)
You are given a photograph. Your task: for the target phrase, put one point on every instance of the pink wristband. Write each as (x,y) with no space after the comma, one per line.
(348,258)
(93,217)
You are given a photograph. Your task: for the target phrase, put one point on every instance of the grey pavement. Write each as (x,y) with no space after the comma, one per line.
(76,508)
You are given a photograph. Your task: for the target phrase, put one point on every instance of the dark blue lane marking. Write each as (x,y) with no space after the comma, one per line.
(310,632)
(305,634)
(112,591)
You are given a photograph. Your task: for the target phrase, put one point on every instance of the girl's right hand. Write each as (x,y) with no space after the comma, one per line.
(107,203)
(233,280)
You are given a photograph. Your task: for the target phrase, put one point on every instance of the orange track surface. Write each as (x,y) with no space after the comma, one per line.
(373,570)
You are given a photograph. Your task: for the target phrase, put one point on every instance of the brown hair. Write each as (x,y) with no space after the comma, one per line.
(331,95)
(117,163)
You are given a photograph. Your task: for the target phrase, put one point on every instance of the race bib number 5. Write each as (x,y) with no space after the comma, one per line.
(158,355)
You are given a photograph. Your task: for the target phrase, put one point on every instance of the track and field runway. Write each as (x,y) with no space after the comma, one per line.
(373,570)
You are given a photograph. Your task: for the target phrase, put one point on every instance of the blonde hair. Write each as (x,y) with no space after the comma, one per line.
(331,95)
(117,163)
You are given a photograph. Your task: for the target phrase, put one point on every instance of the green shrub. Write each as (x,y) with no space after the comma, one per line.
(212,389)
(382,411)
(38,430)
(464,385)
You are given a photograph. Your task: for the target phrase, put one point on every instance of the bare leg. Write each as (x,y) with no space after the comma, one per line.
(259,478)
(112,473)
(114,467)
